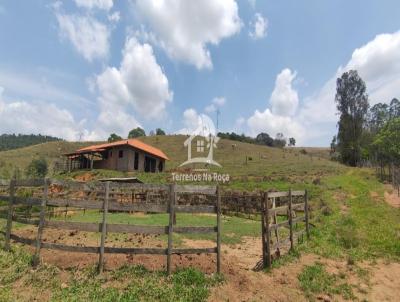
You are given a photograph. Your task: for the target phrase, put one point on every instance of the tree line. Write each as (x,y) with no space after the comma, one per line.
(365,134)
(261,139)
(14,141)
(136,132)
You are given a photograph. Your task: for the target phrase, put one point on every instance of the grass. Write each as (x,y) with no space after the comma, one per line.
(351,223)
(128,283)
(234,228)
(368,228)
(268,167)
(314,279)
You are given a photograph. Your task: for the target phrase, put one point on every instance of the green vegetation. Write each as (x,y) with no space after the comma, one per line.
(13,141)
(37,168)
(235,228)
(159,131)
(261,139)
(114,138)
(137,132)
(19,159)
(365,134)
(358,226)
(315,280)
(128,283)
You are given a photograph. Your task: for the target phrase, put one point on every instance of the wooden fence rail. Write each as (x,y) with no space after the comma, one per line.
(104,227)
(281,215)
(270,223)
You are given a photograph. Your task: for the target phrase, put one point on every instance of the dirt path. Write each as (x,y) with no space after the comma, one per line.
(391,196)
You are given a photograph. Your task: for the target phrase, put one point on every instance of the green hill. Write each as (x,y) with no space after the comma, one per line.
(263,164)
(13,141)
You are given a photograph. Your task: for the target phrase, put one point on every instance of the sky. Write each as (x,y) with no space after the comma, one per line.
(83,69)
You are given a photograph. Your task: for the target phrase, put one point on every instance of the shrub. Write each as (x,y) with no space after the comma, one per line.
(37,168)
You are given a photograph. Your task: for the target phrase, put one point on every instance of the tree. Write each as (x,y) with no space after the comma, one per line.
(136,132)
(114,138)
(279,140)
(378,115)
(292,142)
(387,141)
(159,131)
(37,168)
(394,109)
(352,103)
(264,139)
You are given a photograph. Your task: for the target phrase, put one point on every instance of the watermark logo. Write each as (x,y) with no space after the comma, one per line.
(204,138)
(202,142)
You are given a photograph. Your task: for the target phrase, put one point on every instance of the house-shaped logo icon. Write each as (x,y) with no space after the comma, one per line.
(202,142)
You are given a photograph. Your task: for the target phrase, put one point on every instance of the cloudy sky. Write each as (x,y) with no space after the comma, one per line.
(86,68)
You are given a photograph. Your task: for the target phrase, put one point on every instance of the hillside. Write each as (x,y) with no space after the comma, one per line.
(264,164)
(21,157)
(13,141)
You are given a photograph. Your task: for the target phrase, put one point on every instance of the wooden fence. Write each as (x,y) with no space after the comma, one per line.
(389,173)
(275,217)
(110,203)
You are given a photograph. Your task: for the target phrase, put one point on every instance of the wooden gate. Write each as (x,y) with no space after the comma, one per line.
(284,218)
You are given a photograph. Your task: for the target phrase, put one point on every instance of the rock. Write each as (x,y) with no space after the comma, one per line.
(64,285)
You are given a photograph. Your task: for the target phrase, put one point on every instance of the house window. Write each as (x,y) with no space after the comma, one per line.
(200,145)
(160,166)
(121,153)
(136,162)
(110,153)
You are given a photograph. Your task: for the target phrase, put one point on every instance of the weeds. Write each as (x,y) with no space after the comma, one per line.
(315,280)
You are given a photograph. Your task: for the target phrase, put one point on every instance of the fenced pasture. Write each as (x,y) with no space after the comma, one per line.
(107,197)
(284,216)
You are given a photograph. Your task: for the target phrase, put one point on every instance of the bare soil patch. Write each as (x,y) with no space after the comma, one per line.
(243,283)
(391,196)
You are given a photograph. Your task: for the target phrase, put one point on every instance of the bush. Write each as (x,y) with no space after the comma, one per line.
(37,168)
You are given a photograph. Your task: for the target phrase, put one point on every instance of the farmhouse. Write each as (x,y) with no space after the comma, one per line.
(126,155)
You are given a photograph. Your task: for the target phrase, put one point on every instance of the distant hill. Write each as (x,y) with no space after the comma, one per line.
(263,163)
(15,141)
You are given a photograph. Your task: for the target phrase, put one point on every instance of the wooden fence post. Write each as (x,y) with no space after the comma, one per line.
(104,228)
(42,217)
(264,246)
(170,225)
(266,231)
(306,213)
(290,220)
(7,246)
(393,177)
(218,230)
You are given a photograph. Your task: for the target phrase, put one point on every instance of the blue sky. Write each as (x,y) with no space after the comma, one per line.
(86,68)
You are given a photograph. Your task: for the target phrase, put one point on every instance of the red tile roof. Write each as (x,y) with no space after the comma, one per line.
(130,142)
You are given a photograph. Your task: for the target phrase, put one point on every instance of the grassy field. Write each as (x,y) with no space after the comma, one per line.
(265,167)
(352,223)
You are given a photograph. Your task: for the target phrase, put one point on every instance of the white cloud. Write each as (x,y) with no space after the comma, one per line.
(184,28)
(91,4)
(284,99)
(38,117)
(280,117)
(201,124)
(378,64)
(139,83)
(216,103)
(314,123)
(89,36)
(258,27)
(272,124)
